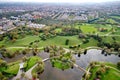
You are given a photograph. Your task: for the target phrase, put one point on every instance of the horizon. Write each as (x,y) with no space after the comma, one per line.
(58,1)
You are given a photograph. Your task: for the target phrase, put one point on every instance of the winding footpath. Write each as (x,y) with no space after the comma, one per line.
(28,73)
(111,68)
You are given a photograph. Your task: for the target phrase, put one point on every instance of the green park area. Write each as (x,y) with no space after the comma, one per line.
(85,35)
(62,43)
(104,71)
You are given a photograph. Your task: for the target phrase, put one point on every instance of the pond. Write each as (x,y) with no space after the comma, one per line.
(51,73)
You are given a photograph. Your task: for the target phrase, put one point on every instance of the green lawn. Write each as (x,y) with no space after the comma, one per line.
(31,62)
(12,69)
(117,17)
(58,30)
(60,41)
(62,62)
(20,42)
(111,21)
(117,31)
(61,65)
(108,39)
(111,74)
(88,28)
(92,42)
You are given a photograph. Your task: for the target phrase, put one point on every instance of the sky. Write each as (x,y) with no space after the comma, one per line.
(69,1)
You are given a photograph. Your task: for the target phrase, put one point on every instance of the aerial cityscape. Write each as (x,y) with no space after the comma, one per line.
(60,40)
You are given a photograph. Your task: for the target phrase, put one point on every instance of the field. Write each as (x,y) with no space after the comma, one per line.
(86,28)
(93,28)
(117,17)
(20,42)
(59,40)
(74,40)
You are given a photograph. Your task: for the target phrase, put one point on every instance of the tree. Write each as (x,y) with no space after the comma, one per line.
(92,64)
(24,52)
(1,76)
(85,41)
(1,37)
(112,49)
(22,74)
(5,78)
(107,69)
(103,51)
(103,70)
(24,59)
(34,76)
(118,65)
(67,42)
(17,79)
(85,52)
(39,68)
(119,50)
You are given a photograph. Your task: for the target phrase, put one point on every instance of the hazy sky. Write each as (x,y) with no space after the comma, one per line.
(70,1)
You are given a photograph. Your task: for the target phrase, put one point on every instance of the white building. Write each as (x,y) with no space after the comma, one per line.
(36,25)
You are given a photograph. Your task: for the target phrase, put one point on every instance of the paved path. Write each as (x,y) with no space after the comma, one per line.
(87,73)
(25,47)
(111,68)
(111,35)
(28,73)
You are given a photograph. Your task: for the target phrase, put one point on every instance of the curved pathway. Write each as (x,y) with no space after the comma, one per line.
(28,73)
(110,67)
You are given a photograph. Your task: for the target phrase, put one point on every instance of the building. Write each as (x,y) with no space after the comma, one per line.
(35,25)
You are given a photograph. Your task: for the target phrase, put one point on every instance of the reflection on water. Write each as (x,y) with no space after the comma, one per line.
(17,57)
(75,74)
